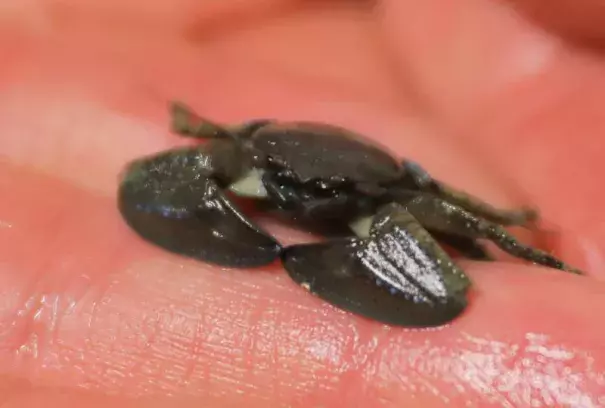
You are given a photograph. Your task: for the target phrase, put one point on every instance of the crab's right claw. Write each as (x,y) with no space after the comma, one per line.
(169,203)
(398,276)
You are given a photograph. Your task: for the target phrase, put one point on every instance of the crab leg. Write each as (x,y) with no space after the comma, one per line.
(467,247)
(187,123)
(440,215)
(423,180)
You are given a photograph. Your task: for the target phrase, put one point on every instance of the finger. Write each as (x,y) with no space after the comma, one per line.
(137,321)
(578,21)
(519,99)
(330,45)
(464,57)
(176,17)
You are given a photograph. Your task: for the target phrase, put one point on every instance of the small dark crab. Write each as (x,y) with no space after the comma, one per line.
(387,216)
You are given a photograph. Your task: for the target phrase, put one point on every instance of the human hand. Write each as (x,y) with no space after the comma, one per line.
(92,316)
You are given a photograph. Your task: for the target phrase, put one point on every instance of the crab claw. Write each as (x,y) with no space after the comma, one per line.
(172,201)
(397,275)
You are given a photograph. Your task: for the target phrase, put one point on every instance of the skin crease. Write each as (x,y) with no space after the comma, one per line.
(92,316)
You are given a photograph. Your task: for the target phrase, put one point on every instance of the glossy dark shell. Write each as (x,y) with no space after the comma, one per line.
(318,151)
(170,200)
(393,271)
(398,276)
(219,159)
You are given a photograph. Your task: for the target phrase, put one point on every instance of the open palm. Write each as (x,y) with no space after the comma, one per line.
(91,315)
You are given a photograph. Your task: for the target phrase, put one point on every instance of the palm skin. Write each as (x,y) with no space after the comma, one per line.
(91,315)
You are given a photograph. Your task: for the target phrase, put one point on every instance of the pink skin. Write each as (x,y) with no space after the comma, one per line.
(91,315)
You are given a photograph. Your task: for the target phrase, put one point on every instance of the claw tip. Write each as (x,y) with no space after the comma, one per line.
(180,115)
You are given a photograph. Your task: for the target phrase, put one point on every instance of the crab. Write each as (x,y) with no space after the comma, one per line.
(387,222)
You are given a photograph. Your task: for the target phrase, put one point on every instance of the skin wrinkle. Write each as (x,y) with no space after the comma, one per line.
(141,368)
(39,288)
(375,364)
(178,332)
(37,318)
(191,367)
(249,343)
(365,359)
(484,368)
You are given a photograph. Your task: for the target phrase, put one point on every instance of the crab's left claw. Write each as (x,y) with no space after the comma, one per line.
(398,275)
(169,201)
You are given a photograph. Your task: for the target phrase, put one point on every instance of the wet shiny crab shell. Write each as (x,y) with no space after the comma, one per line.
(390,266)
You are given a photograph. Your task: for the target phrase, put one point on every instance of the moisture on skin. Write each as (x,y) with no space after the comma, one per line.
(391,267)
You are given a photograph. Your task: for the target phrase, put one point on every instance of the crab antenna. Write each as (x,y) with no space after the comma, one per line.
(187,123)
